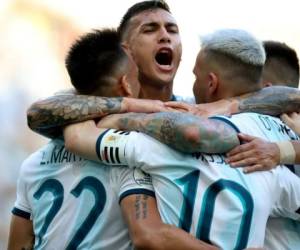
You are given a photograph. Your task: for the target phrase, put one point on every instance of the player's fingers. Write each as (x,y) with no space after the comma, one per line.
(294,115)
(169,109)
(286,119)
(240,149)
(177,105)
(242,159)
(244,162)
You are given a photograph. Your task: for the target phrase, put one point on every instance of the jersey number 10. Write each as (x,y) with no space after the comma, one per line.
(189,182)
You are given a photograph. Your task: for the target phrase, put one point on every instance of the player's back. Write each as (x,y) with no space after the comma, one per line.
(281,233)
(73,202)
(205,196)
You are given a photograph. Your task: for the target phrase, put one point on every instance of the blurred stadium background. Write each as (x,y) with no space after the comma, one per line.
(36,34)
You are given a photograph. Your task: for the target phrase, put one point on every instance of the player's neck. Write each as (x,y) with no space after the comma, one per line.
(163,93)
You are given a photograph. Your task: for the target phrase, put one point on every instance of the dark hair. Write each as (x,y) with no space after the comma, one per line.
(137,9)
(286,69)
(93,58)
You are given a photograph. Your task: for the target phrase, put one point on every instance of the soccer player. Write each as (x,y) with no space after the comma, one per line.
(57,188)
(201,193)
(281,66)
(150,33)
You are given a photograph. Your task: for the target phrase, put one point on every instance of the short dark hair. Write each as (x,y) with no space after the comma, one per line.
(286,68)
(93,58)
(137,9)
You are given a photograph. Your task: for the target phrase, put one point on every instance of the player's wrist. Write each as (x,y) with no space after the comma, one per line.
(287,152)
(125,105)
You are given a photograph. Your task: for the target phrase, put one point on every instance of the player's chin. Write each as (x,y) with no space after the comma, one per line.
(165,77)
(164,80)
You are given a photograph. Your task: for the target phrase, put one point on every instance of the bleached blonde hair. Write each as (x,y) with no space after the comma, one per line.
(235,43)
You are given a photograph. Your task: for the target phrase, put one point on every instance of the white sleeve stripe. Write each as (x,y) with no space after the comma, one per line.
(110,147)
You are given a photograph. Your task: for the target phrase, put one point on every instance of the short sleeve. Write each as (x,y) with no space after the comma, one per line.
(110,147)
(22,207)
(133,181)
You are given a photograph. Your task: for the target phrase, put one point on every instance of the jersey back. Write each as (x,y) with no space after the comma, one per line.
(281,233)
(206,197)
(72,202)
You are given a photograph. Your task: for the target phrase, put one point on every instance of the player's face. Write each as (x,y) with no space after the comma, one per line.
(155,45)
(200,87)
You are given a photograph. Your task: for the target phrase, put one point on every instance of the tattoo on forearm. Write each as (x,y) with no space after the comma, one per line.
(271,101)
(50,115)
(182,131)
(141,207)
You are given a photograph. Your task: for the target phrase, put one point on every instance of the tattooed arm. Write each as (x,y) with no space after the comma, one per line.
(274,101)
(184,132)
(270,101)
(147,231)
(47,117)
(21,234)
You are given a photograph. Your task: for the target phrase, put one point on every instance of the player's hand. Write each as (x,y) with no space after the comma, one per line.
(222,107)
(292,120)
(181,106)
(255,155)
(146,106)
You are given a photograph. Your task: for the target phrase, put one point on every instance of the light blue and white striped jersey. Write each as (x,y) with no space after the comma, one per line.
(72,202)
(281,233)
(206,197)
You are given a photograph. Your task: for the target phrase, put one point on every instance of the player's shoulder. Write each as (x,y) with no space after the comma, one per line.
(36,158)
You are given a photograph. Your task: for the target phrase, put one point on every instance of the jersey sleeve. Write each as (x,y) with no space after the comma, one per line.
(110,147)
(137,150)
(132,182)
(22,207)
(288,195)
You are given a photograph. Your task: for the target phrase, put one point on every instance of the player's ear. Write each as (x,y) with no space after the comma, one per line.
(125,87)
(213,83)
(126,48)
